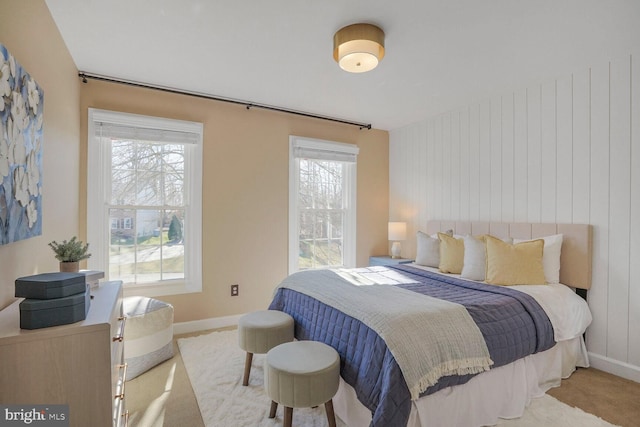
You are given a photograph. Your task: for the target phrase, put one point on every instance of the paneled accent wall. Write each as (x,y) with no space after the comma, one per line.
(566,151)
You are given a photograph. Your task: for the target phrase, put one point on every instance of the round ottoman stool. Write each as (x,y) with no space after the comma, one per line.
(302,374)
(260,331)
(148,336)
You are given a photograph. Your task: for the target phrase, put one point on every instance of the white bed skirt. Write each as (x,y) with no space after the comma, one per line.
(503,392)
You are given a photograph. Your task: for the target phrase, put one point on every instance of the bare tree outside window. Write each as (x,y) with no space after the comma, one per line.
(321,213)
(148,190)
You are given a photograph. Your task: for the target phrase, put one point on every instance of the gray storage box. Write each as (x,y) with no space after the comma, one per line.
(50,285)
(42,313)
(93,277)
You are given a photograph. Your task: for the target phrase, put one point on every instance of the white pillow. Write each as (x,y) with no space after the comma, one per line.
(475,258)
(550,257)
(428,250)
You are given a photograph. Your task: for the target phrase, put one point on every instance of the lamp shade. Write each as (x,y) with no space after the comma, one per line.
(359,47)
(397,231)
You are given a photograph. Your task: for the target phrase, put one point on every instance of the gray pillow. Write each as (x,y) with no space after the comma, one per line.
(428,250)
(475,258)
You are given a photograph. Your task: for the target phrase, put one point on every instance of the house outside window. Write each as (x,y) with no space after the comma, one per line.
(145,179)
(322,204)
(127,223)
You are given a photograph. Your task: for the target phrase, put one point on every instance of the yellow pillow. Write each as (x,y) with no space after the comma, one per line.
(451,254)
(519,264)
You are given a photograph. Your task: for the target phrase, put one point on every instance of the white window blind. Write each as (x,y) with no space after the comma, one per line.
(146,134)
(326,150)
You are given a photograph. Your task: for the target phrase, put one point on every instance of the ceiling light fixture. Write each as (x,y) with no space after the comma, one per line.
(358,48)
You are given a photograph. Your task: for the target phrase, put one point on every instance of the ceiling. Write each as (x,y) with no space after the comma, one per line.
(440,54)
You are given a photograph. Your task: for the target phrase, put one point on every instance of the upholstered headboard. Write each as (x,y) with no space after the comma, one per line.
(576,255)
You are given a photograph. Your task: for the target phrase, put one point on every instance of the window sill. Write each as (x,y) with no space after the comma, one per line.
(157,290)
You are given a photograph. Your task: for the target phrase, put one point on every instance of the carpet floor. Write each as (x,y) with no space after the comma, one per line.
(164,396)
(214,363)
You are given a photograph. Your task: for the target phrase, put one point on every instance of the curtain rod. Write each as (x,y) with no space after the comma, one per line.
(84,76)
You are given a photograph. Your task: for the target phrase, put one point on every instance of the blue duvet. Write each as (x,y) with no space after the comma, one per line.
(511,322)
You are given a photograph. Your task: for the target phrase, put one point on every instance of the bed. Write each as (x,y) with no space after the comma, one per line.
(390,373)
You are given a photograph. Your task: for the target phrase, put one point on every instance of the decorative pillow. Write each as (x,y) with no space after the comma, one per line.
(427,250)
(550,257)
(519,264)
(448,232)
(475,258)
(451,254)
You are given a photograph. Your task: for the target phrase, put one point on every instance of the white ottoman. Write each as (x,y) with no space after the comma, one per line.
(148,336)
(260,331)
(302,374)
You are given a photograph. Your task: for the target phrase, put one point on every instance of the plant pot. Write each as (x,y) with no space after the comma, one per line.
(70,267)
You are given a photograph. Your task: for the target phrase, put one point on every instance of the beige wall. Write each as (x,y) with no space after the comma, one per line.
(245,173)
(30,35)
(245,195)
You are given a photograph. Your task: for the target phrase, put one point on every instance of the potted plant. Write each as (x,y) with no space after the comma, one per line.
(70,253)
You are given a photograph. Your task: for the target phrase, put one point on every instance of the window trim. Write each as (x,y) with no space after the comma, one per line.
(98,165)
(349,233)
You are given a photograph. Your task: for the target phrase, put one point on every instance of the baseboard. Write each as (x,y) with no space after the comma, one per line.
(615,367)
(204,324)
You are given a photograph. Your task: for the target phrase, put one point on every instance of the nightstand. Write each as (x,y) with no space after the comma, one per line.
(387,260)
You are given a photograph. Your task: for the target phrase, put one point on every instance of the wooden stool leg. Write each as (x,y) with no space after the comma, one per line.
(274,408)
(288,416)
(247,368)
(331,416)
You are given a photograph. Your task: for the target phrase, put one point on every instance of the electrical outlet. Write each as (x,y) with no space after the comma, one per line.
(235,290)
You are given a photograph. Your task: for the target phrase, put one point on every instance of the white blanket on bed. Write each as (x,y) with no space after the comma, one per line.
(428,337)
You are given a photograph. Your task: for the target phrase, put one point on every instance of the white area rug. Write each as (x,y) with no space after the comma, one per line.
(215,365)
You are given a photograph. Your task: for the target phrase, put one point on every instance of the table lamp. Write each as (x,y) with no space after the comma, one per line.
(397,232)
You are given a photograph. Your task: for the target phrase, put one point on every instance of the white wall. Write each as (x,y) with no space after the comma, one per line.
(565,151)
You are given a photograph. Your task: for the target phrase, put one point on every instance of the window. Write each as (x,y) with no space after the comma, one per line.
(144,208)
(322,204)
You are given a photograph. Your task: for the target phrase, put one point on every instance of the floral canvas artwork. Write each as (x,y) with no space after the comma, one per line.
(21,116)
